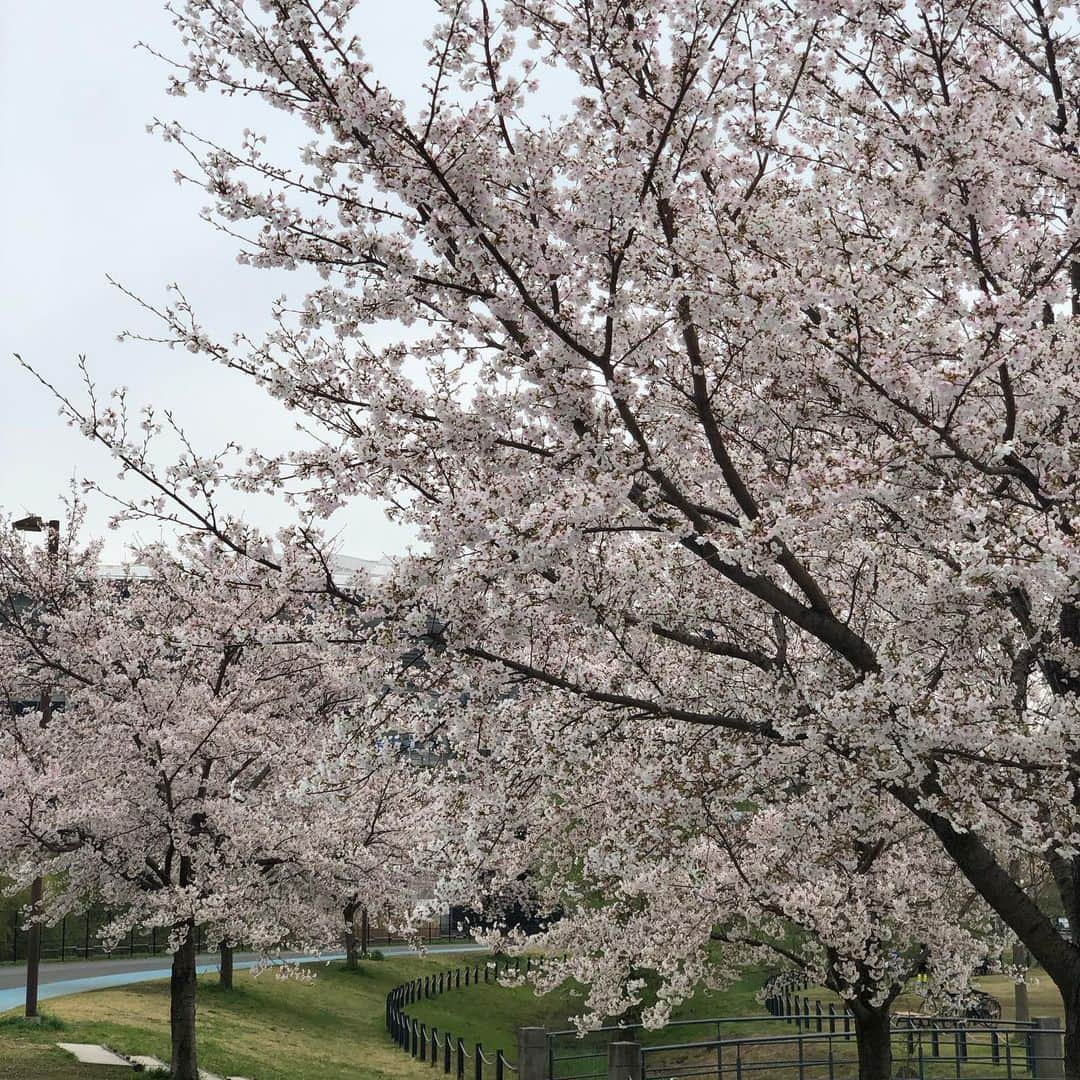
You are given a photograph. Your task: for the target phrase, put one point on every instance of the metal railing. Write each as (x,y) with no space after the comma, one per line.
(927,1048)
(964,1049)
(437,1048)
(823,1045)
(76,937)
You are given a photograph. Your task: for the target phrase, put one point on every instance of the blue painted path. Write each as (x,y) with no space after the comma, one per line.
(12,997)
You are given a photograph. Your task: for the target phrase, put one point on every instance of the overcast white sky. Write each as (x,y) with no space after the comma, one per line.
(85,193)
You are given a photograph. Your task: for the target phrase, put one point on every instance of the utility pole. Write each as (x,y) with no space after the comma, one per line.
(33,523)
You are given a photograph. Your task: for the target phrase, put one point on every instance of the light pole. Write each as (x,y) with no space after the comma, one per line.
(33,523)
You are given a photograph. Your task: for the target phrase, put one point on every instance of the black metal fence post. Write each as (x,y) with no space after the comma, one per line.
(479,1065)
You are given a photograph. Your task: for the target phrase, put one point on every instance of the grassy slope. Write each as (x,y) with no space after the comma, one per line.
(330,1028)
(491,1014)
(1043,996)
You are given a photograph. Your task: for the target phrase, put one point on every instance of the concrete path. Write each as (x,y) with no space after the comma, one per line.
(77,976)
(92,1054)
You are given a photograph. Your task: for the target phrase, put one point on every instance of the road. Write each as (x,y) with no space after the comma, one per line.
(76,976)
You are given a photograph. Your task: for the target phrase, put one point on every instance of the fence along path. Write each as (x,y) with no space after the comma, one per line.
(822,1048)
(76,937)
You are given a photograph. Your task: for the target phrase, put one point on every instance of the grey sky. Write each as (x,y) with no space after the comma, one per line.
(86,192)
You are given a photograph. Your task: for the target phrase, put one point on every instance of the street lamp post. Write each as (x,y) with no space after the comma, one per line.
(33,523)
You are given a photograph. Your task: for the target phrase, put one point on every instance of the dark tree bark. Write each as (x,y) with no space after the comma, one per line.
(182,1009)
(365,932)
(352,957)
(873,1039)
(1008,897)
(1072,1031)
(225,966)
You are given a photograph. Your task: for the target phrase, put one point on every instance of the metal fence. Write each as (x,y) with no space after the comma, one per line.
(441,1049)
(75,937)
(964,1049)
(804,1041)
(927,1048)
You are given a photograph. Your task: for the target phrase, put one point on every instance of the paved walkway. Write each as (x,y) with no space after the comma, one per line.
(76,976)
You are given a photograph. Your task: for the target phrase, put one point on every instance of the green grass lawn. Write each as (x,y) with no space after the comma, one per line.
(330,1028)
(490,1014)
(1043,996)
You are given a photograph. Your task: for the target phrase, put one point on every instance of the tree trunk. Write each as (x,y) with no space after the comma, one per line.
(225,966)
(352,958)
(1071,997)
(365,932)
(182,1009)
(873,1039)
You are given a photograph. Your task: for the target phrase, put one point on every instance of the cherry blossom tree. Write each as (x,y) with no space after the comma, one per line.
(691,860)
(208,766)
(739,388)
